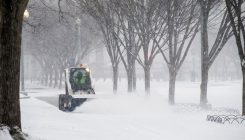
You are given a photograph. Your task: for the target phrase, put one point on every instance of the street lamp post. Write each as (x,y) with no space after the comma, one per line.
(78,43)
(26,15)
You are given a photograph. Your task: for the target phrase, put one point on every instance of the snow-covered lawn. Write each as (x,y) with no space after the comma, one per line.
(136,116)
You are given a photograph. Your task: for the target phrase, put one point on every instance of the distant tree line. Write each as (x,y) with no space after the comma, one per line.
(56,39)
(135,32)
(138,30)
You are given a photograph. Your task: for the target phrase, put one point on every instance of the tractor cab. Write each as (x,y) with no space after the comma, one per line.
(77,84)
(80,79)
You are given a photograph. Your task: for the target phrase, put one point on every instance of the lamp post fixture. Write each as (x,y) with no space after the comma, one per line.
(26,15)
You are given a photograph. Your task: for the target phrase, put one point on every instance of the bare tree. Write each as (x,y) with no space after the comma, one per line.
(140,24)
(236,17)
(208,55)
(104,16)
(127,40)
(182,26)
(147,23)
(58,38)
(11,17)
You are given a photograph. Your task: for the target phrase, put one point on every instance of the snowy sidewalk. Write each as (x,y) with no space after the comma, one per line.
(122,118)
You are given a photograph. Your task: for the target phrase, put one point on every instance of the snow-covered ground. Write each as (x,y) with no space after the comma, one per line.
(4,133)
(134,116)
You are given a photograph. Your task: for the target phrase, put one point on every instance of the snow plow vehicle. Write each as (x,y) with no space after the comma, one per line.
(77,85)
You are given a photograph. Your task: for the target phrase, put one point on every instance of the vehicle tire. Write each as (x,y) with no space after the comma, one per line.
(66,103)
(61,102)
(69,103)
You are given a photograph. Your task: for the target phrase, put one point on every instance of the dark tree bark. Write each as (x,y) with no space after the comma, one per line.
(11,17)
(134,77)
(22,70)
(237,23)
(147,71)
(130,79)
(115,78)
(204,52)
(172,79)
(243,90)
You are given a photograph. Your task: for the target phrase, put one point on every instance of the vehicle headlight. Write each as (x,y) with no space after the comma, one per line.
(87,70)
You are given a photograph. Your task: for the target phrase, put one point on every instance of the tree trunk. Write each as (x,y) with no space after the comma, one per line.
(22,70)
(130,71)
(172,79)
(46,79)
(130,81)
(237,28)
(243,91)
(42,79)
(130,53)
(134,76)
(204,55)
(147,79)
(56,78)
(204,85)
(11,16)
(115,78)
(60,80)
(50,78)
